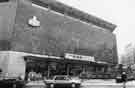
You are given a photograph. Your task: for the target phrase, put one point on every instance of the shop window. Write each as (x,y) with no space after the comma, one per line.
(0,71)
(90,69)
(5,45)
(4,1)
(99,69)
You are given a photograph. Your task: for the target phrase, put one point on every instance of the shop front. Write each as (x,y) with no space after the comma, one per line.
(48,67)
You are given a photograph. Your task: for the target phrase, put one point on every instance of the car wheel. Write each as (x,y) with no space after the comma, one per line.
(73,85)
(51,85)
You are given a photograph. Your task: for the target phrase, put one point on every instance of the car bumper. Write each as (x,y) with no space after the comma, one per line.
(58,85)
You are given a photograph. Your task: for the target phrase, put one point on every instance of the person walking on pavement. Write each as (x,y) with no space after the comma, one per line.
(124,79)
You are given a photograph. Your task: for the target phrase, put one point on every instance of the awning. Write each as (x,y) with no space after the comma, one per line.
(61,60)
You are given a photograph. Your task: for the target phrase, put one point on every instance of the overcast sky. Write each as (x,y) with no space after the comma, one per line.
(119,12)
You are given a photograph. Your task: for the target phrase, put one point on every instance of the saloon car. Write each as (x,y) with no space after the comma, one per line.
(63,81)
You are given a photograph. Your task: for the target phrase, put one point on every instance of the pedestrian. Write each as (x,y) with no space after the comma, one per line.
(31,75)
(124,79)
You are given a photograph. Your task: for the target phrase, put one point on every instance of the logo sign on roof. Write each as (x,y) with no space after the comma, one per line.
(79,57)
(34,22)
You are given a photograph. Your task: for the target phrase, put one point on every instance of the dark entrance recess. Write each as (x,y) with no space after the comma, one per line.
(49,67)
(37,66)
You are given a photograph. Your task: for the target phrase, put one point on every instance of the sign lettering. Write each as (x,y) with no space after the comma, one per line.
(79,57)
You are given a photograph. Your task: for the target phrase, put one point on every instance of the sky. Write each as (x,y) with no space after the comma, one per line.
(119,12)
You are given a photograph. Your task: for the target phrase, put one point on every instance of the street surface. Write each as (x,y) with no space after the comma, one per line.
(93,83)
(106,84)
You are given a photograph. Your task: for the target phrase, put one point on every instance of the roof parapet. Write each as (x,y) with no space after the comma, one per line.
(75,13)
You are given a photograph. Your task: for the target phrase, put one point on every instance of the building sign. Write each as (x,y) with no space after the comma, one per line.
(101,62)
(79,57)
(34,22)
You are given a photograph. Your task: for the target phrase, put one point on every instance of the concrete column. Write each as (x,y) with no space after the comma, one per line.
(48,71)
(68,66)
(84,68)
(103,69)
(108,69)
(97,70)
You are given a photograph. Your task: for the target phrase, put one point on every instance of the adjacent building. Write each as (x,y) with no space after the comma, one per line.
(128,57)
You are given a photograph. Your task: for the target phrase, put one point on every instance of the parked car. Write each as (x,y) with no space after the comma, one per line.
(63,81)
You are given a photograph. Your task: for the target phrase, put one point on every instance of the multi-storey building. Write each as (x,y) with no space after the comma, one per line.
(49,28)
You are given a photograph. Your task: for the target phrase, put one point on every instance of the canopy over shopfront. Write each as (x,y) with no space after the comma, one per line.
(63,60)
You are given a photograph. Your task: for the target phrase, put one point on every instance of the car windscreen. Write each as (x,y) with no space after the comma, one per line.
(61,78)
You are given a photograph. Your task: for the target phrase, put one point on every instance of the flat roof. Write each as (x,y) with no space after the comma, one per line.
(75,13)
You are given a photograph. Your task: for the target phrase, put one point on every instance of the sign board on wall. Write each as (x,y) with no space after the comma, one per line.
(79,57)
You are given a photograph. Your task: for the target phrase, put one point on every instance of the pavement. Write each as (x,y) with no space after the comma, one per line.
(100,83)
(105,82)
(35,84)
(92,83)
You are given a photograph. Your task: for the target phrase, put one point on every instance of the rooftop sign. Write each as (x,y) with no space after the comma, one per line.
(79,57)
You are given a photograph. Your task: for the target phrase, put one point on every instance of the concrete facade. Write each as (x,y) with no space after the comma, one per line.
(57,34)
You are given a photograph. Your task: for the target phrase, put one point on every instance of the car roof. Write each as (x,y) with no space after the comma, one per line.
(61,76)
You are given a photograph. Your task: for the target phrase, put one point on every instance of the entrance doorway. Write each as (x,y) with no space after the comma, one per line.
(39,68)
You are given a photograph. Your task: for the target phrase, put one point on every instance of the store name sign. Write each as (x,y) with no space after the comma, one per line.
(79,57)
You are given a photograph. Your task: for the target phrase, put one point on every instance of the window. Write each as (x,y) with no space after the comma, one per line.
(61,78)
(0,70)
(4,1)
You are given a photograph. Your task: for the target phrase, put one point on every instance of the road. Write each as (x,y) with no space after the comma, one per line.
(106,84)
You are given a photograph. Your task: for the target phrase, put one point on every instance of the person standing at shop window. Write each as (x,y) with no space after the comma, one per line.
(31,76)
